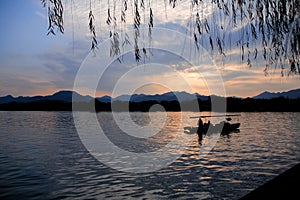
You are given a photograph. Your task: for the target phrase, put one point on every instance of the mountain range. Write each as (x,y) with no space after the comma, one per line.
(169,96)
(292,94)
(66,96)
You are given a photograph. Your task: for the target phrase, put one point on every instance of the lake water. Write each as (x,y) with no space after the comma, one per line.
(42,157)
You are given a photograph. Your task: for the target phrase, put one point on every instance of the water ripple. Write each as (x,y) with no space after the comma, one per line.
(41,157)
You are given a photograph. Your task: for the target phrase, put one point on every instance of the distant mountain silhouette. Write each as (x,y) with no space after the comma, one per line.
(69,96)
(104,99)
(64,96)
(7,99)
(169,96)
(292,94)
(20,99)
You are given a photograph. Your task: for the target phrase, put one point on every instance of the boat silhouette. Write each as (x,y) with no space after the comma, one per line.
(224,127)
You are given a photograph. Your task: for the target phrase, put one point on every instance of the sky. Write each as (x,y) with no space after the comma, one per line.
(34,63)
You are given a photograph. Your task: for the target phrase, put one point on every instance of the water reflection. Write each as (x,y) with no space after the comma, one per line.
(41,156)
(141,144)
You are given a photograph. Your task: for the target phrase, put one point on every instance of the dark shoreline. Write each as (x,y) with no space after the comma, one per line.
(283,186)
(232,105)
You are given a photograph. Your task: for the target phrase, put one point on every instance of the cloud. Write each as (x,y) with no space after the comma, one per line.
(63,63)
(17,85)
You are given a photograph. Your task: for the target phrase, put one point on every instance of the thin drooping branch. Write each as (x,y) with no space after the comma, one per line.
(137,23)
(55,11)
(92,29)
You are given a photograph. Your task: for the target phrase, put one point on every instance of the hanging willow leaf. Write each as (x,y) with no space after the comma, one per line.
(172,3)
(196,41)
(151,18)
(142,4)
(115,45)
(123,17)
(126,40)
(109,19)
(198,23)
(44,3)
(137,17)
(211,43)
(219,44)
(253,31)
(206,25)
(243,52)
(150,24)
(94,42)
(125,5)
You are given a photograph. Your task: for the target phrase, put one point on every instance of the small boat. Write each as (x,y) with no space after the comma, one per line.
(227,128)
(224,127)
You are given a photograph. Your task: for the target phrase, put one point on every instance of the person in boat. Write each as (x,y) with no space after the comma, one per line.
(206,125)
(200,126)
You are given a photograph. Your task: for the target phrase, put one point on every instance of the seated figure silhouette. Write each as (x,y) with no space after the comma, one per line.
(200,129)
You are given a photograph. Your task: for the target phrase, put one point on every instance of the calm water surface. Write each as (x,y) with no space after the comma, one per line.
(42,157)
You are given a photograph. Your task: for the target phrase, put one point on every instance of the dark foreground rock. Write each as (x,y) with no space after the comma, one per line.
(284,186)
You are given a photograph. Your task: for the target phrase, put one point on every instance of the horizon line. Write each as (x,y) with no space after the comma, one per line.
(150,94)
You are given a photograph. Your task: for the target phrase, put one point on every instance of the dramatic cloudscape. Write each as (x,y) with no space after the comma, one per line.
(34,63)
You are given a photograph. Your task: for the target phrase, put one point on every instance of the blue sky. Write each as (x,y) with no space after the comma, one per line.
(33,63)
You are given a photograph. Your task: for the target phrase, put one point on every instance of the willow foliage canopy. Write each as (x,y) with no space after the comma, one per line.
(270,28)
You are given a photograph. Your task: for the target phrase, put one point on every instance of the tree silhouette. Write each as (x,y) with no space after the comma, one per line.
(270,28)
